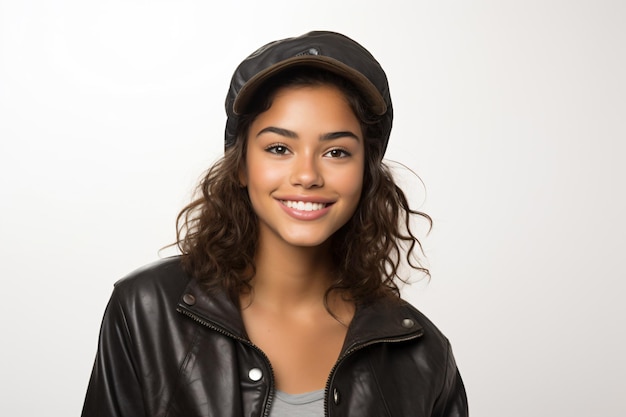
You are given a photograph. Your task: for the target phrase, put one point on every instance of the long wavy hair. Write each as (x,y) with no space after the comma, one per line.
(217,233)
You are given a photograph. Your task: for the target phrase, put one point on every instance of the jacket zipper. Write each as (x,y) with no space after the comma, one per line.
(270,397)
(355,349)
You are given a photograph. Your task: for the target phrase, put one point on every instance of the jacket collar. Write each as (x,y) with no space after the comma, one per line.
(385,320)
(214,309)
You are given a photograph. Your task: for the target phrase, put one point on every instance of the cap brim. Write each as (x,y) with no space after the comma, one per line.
(375,100)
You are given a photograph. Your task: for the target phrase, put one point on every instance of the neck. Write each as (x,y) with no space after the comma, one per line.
(288,276)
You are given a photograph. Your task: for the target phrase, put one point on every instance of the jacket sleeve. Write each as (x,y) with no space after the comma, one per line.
(114,389)
(452,401)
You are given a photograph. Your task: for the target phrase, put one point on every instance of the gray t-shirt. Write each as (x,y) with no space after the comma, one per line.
(309,404)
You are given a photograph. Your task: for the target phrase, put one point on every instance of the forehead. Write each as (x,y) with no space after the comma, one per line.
(321,108)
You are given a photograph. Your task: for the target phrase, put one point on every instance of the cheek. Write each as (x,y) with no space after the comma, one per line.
(352,185)
(262,175)
(262,178)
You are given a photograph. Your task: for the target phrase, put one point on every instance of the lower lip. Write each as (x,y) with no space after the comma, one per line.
(305,215)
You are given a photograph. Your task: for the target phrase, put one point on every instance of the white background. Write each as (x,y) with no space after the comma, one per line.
(512,113)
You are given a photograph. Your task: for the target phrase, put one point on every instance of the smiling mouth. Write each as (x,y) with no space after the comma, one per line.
(304,205)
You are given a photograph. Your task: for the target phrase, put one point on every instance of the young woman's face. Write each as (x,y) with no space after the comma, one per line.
(304,165)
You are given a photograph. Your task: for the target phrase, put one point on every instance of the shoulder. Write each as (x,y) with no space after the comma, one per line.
(162,280)
(432,343)
(400,316)
(419,338)
(430,330)
(421,344)
(451,399)
(408,354)
(399,324)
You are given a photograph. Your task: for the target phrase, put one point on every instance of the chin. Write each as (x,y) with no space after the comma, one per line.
(306,241)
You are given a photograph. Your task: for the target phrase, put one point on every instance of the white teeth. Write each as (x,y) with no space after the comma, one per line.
(304,206)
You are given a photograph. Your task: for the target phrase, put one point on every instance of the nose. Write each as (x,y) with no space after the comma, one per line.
(306,172)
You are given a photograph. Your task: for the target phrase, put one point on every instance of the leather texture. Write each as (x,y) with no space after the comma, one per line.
(167,348)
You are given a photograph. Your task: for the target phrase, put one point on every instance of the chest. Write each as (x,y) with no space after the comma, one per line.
(228,378)
(302,353)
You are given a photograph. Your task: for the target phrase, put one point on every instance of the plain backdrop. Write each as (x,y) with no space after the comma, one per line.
(512,113)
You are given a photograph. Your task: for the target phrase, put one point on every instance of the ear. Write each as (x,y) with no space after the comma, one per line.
(243,176)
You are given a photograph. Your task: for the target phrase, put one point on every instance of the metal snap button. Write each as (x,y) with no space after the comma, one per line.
(189,299)
(408,323)
(255,374)
(336,396)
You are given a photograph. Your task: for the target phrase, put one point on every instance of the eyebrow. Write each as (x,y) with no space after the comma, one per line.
(293,135)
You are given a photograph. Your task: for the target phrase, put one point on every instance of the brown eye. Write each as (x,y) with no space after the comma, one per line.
(337,153)
(277,149)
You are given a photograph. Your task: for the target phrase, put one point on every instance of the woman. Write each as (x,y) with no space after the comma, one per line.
(284,300)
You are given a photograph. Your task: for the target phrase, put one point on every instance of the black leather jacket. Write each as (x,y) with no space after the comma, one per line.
(167,348)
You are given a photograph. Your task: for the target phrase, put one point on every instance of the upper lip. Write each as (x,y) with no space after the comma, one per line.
(305,198)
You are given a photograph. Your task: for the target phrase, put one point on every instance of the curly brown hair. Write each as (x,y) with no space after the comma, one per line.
(217,232)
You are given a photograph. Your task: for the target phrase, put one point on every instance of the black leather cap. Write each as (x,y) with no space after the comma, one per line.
(325,50)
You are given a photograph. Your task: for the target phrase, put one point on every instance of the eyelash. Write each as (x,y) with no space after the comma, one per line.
(274,149)
(344,153)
